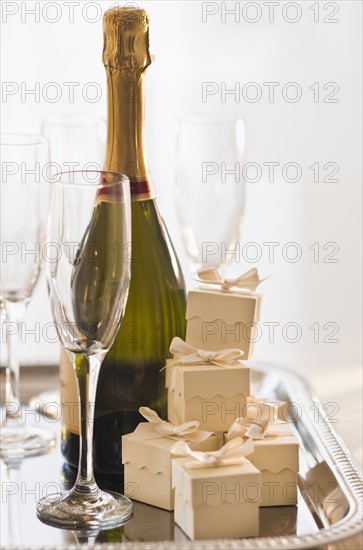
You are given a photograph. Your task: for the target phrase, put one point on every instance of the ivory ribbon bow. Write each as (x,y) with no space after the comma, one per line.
(156,427)
(254,428)
(189,355)
(248,281)
(231,454)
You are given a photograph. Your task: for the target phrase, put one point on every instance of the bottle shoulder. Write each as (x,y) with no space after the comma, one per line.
(151,242)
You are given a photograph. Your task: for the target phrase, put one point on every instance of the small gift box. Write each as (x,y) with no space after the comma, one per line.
(272,408)
(211,387)
(147,459)
(276,453)
(219,318)
(216,493)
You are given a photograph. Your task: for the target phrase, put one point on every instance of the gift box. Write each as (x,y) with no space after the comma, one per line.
(278,409)
(216,494)
(219,317)
(276,455)
(210,387)
(146,455)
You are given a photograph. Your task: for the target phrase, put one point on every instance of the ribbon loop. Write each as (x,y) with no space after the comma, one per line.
(149,414)
(231,454)
(248,281)
(255,425)
(156,427)
(187,354)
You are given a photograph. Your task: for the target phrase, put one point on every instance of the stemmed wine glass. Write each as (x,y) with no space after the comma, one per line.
(77,142)
(24,207)
(210,190)
(88,279)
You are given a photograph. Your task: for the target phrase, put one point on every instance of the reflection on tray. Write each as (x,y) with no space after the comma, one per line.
(149,524)
(23,484)
(278,521)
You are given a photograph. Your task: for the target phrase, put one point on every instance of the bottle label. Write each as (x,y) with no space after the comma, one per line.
(69,395)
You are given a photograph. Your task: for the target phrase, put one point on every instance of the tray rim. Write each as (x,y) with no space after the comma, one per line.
(334,451)
(338,458)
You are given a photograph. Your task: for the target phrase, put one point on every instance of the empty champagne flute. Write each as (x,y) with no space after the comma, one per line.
(24,207)
(210,190)
(77,141)
(88,278)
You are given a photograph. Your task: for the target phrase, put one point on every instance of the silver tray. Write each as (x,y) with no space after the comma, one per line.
(329,510)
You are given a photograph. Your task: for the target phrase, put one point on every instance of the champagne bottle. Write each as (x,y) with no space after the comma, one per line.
(130,376)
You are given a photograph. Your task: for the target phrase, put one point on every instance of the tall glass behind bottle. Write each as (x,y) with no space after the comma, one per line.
(155,312)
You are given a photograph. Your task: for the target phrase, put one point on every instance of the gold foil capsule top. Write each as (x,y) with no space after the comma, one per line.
(126,39)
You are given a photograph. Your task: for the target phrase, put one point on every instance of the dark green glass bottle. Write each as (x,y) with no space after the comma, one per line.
(130,375)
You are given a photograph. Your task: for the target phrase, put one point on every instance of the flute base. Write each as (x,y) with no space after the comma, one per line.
(21,440)
(73,510)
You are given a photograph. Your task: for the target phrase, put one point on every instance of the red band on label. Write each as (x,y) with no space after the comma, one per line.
(110,193)
(141,190)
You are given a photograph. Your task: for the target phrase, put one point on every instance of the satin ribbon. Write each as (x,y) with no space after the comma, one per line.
(248,281)
(155,427)
(254,428)
(232,453)
(189,355)
(276,407)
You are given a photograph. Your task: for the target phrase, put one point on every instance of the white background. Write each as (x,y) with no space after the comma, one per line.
(189,52)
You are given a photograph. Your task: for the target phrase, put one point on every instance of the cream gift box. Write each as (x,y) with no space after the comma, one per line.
(147,458)
(216,498)
(220,318)
(210,387)
(276,455)
(278,409)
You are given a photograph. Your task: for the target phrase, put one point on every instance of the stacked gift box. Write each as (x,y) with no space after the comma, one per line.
(222,453)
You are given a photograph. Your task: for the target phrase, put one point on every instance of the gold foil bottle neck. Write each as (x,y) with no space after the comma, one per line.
(126,39)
